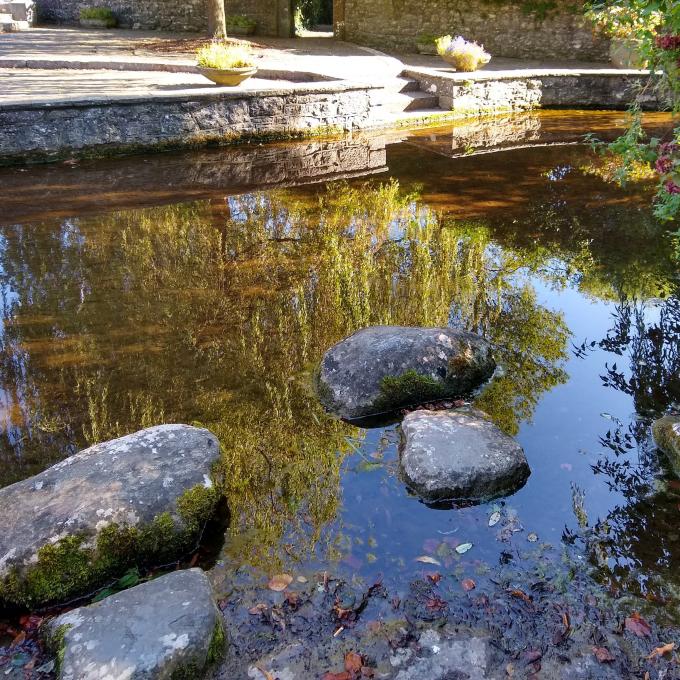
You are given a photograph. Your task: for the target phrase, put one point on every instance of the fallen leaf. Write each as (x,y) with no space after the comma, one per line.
(468,585)
(603,655)
(18,639)
(463,548)
(301,579)
(532,537)
(265,674)
(280,582)
(426,559)
(521,595)
(532,656)
(336,676)
(353,662)
(637,625)
(660,651)
(259,608)
(494,519)
(435,578)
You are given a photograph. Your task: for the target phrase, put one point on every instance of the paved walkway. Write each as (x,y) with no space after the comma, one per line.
(59,57)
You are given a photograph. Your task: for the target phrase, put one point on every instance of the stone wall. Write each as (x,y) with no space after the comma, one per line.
(506,28)
(59,129)
(273,17)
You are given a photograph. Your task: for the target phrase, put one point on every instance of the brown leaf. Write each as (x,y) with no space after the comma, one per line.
(660,651)
(266,674)
(603,655)
(259,608)
(521,595)
(435,577)
(637,625)
(18,639)
(280,582)
(353,662)
(426,559)
(337,676)
(468,585)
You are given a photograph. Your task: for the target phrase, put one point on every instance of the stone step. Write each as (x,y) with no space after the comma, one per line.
(406,101)
(13,26)
(401,85)
(5,17)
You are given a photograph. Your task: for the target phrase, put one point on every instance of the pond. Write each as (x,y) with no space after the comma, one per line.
(204,288)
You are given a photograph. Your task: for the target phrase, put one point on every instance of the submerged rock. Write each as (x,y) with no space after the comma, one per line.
(141,498)
(459,454)
(451,658)
(666,432)
(381,368)
(168,627)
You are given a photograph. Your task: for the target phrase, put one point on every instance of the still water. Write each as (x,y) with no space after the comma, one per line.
(204,288)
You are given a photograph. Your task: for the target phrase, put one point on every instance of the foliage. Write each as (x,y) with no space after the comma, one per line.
(239,21)
(655,26)
(100,13)
(465,55)
(427,39)
(309,13)
(222,55)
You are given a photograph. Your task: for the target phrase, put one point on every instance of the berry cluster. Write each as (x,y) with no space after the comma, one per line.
(668,42)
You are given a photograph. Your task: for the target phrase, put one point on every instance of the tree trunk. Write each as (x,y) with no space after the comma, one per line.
(217,24)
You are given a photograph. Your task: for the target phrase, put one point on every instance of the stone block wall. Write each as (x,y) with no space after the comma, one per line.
(273,17)
(507,28)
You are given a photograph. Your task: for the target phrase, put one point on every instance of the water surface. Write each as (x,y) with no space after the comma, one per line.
(204,288)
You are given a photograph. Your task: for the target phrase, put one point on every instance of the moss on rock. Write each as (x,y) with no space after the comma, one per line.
(77,564)
(408,388)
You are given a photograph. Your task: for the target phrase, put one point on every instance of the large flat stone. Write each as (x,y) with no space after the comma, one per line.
(459,455)
(122,502)
(168,627)
(381,368)
(666,432)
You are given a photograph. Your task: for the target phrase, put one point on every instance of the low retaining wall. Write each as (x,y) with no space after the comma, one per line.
(45,131)
(488,92)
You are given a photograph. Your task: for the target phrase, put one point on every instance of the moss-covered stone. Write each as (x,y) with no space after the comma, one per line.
(72,567)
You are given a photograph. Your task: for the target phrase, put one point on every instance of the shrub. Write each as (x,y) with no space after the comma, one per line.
(221,55)
(426,39)
(101,13)
(465,55)
(239,21)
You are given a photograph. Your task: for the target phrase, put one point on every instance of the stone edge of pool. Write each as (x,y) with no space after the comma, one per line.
(50,130)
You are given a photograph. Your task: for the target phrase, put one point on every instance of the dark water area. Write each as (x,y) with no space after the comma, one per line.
(205,287)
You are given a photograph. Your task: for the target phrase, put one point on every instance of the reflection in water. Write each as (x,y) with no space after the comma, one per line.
(216,310)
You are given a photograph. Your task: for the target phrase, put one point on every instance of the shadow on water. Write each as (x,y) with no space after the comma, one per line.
(205,287)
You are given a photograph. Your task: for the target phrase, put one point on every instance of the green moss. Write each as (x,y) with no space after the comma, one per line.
(70,567)
(408,388)
(55,640)
(218,644)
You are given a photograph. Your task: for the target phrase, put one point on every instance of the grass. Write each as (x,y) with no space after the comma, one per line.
(221,55)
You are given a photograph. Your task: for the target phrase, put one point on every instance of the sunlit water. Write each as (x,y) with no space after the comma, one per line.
(205,287)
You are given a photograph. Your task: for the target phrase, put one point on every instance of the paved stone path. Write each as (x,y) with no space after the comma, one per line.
(72,63)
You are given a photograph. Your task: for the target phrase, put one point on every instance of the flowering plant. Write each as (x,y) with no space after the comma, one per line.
(465,55)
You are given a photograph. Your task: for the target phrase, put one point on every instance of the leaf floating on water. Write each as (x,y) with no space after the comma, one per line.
(259,608)
(280,582)
(608,416)
(603,655)
(463,548)
(468,585)
(494,519)
(532,537)
(637,625)
(660,651)
(426,559)
(301,579)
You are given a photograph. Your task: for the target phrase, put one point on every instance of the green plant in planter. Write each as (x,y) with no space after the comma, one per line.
(220,55)
(99,14)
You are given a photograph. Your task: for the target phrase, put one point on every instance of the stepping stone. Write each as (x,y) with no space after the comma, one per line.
(459,455)
(382,368)
(140,499)
(666,432)
(165,628)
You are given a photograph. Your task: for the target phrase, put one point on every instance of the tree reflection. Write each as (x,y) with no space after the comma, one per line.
(217,312)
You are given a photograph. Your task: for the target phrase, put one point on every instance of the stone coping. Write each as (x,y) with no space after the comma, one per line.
(210,93)
(513,74)
(108,63)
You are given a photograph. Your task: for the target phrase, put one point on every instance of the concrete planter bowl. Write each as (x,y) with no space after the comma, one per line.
(463,63)
(228,77)
(627,54)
